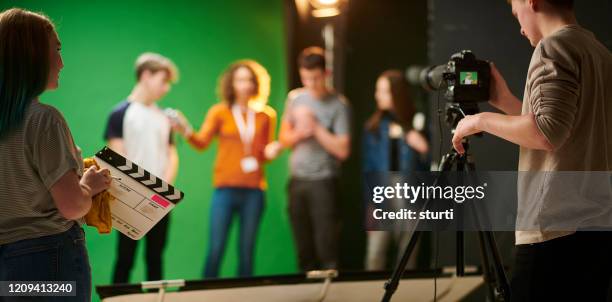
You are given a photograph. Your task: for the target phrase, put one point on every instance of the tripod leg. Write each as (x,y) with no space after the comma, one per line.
(499,287)
(392,284)
(462,164)
(460,253)
(503,286)
(486,265)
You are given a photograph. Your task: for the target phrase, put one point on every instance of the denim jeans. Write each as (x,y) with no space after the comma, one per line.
(248,204)
(59,257)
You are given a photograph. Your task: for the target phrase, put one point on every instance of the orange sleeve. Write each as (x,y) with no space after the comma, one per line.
(272,124)
(210,127)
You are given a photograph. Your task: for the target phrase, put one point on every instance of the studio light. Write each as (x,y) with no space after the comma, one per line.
(325,8)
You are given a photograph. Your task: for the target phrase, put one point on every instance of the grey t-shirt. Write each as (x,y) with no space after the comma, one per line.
(309,160)
(34,157)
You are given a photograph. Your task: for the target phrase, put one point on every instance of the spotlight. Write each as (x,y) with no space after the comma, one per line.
(324,3)
(325,12)
(325,8)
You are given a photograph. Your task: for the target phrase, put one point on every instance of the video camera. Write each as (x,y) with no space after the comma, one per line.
(464,79)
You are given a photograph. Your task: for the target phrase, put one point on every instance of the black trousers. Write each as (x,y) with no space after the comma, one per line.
(314,214)
(576,267)
(155,243)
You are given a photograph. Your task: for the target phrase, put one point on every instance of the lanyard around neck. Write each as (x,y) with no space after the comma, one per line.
(245,129)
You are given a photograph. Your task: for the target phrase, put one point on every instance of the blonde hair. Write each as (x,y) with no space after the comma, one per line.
(155,62)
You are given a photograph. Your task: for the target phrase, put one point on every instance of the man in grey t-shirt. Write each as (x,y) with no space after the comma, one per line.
(316,127)
(309,159)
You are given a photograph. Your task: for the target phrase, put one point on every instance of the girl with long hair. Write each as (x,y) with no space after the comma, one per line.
(45,192)
(391,144)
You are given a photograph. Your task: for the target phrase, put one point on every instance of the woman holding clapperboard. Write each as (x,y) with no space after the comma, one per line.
(44,191)
(245,127)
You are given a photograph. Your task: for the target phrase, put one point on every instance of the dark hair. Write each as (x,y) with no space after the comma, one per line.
(403,108)
(226,89)
(312,58)
(568,4)
(24,63)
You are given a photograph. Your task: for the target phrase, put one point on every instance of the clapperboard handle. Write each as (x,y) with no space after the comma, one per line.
(140,175)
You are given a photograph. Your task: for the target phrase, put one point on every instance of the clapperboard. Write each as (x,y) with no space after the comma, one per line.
(141,198)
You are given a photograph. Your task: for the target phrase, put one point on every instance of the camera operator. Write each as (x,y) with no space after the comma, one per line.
(563,124)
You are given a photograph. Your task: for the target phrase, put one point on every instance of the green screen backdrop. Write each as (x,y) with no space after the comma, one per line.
(100,42)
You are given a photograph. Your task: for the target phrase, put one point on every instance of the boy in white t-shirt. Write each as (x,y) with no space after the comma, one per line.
(138,129)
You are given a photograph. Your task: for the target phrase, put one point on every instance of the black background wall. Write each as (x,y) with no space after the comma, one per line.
(381,35)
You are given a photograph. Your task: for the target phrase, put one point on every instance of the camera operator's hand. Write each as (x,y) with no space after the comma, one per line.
(467,126)
(501,96)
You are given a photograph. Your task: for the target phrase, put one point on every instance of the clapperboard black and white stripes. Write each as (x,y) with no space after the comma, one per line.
(141,198)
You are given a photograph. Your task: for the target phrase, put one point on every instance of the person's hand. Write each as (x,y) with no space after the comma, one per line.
(272,150)
(466,127)
(417,141)
(96,179)
(181,125)
(500,93)
(395,130)
(305,122)
(306,131)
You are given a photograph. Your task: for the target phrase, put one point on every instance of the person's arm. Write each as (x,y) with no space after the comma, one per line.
(521,130)
(272,147)
(173,164)
(201,139)
(297,124)
(116,144)
(113,134)
(417,141)
(553,98)
(72,196)
(271,113)
(58,167)
(337,145)
(288,135)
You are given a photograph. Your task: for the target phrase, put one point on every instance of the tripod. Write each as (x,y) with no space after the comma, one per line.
(493,270)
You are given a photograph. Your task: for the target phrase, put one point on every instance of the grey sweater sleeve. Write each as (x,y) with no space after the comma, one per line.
(555,90)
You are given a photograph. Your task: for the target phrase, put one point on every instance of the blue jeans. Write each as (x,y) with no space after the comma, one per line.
(59,257)
(226,202)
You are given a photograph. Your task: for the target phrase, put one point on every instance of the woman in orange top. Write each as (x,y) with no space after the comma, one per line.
(244,125)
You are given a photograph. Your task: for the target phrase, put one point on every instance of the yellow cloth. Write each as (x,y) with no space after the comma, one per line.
(99,215)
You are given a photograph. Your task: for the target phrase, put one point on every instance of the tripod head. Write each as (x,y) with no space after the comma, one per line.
(456,111)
